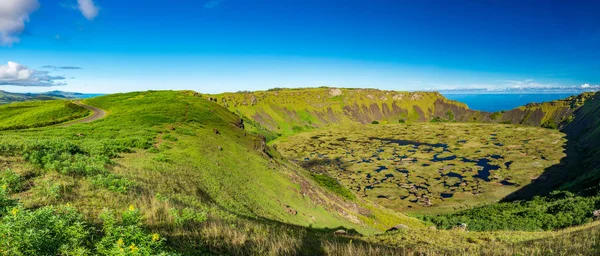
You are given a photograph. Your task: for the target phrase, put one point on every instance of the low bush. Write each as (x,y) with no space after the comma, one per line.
(65,157)
(559,210)
(550,124)
(112,182)
(46,231)
(127,236)
(11,180)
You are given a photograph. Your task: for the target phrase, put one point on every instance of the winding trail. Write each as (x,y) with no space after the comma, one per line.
(97,114)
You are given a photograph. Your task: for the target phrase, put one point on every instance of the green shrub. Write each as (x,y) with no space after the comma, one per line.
(46,231)
(437,119)
(11,180)
(450,115)
(559,210)
(127,237)
(401,121)
(550,124)
(6,203)
(112,182)
(65,157)
(375,122)
(497,115)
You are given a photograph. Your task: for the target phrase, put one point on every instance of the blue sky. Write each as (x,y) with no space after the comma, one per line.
(229,45)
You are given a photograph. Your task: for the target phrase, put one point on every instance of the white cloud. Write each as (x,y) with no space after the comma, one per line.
(528,83)
(585,86)
(13,15)
(88,8)
(19,75)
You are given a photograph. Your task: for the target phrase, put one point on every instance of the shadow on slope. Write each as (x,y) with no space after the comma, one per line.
(579,171)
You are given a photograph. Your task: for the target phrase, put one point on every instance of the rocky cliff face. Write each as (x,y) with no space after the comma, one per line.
(290,110)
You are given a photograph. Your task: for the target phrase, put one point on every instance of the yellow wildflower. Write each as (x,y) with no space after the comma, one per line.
(14,211)
(120,242)
(155,237)
(4,187)
(131,207)
(133,248)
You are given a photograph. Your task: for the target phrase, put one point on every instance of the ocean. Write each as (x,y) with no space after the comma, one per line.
(499,102)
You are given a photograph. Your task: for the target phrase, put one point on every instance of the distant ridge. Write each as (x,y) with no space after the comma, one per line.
(286,111)
(9,97)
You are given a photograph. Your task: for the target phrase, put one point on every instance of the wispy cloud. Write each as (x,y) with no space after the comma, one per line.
(13,16)
(19,75)
(88,8)
(513,86)
(60,67)
(212,4)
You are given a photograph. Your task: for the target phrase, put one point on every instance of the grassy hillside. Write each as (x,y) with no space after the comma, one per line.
(288,111)
(38,113)
(188,168)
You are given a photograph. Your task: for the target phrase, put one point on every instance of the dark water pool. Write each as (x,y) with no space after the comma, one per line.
(507,183)
(446,195)
(453,175)
(485,165)
(380,168)
(438,159)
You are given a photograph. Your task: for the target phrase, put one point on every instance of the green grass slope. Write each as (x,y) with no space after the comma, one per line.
(38,113)
(189,169)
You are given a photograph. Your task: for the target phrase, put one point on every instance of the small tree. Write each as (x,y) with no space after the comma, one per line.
(450,115)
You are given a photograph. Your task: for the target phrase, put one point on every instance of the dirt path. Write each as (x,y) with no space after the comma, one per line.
(97,114)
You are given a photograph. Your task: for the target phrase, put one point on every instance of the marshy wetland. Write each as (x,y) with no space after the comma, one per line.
(433,167)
